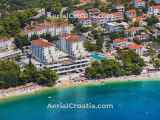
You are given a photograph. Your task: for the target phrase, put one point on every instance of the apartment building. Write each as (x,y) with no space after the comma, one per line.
(46,52)
(72,44)
(52,27)
(6,43)
(154,10)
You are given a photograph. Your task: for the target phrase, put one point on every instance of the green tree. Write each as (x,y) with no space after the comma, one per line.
(132,62)
(44,4)
(105,68)
(47,77)
(99,43)
(21,41)
(152,20)
(29,74)
(116,35)
(9,23)
(90,46)
(91,72)
(152,2)
(34,37)
(9,74)
(156,63)
(56,6)
(111,68)
(151,52)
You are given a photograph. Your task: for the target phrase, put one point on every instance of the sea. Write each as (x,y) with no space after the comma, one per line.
(115,101)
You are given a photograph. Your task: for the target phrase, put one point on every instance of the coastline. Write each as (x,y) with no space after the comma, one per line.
(32,88)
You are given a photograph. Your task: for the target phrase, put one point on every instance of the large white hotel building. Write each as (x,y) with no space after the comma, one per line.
(72,45)
(68,55)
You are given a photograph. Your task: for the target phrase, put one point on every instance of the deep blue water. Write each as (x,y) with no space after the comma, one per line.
(131,101)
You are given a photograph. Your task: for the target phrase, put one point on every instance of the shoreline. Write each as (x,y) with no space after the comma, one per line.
(32,88)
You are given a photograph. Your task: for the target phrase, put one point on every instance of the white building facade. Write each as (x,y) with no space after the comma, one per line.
(54,28)
(154,10)
(5,43)
(72,45)
(45,52)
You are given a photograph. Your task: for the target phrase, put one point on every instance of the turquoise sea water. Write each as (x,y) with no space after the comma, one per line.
(131,101)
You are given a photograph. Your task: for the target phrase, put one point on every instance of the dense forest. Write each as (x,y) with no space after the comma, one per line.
(19,4)
(23,4)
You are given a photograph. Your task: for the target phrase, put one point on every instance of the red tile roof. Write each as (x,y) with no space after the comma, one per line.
(80,14)
(46,24)
(118,40)
(41,43)
(71,37)
(135,46)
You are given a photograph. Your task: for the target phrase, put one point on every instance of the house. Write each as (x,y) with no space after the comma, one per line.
(139,3)
(118,8)
(6,43)
(51,14)
(139,49)
(93,11)
(113,27)
(137,33)
(46,52)
(158,17)
(154,9)
(102,18)
(157,25)
(85,21)
(120,43)
(142,37)
(118,16)
(79,14)
(132,32)
(155,33)
(124,24)
(83,17)
(72,44)
(52,27)
(131,13)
